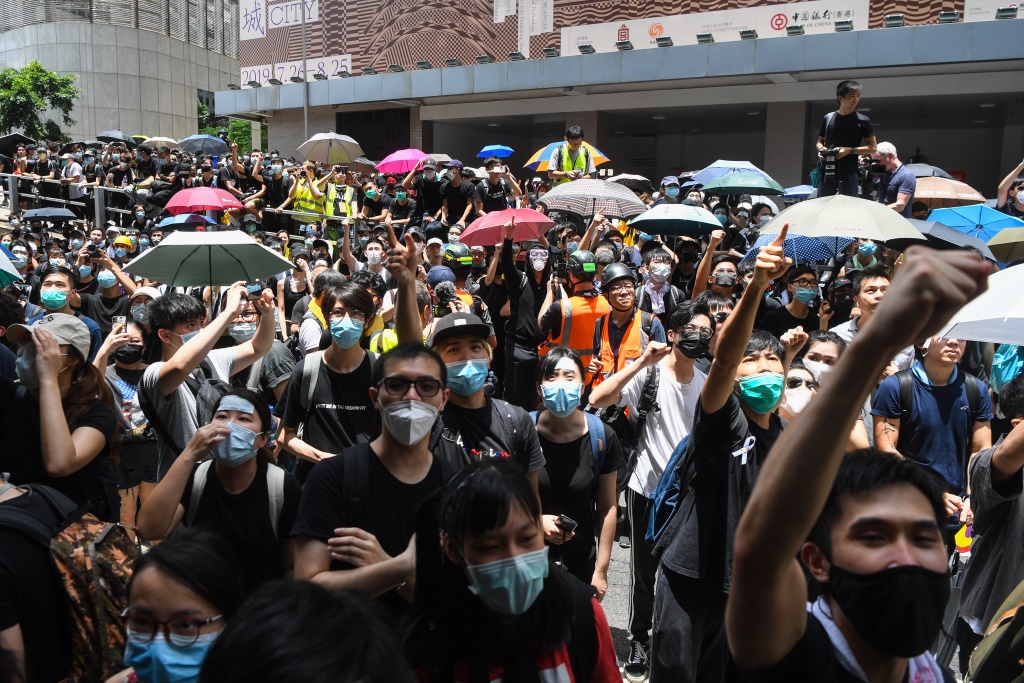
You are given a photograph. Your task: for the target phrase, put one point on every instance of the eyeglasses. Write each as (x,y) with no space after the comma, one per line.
(796,382)
(356,316)
(620,287)
(249,316)
(804,283)
(701,329)
(180,631)
(426,387)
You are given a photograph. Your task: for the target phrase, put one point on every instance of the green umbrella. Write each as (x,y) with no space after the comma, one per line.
(743,183)
(185,259)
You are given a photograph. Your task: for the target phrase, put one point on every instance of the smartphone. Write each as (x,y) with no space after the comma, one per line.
(120,323)
(255,290)
(566,523)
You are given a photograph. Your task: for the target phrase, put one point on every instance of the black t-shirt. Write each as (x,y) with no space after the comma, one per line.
(428,193)
(567,487)
(119,175)
(243,520)
(811,660)
(1010,209)
(388,510)
(457,198)
(277,190)
(493,197)
(103,309)
(341,414)
(248,183)
(400,211)
(849,130)
(146,168)
(28,596)
(730,450)
(375,207)
(21,451)
(225,175)
(778,321)
(482,432)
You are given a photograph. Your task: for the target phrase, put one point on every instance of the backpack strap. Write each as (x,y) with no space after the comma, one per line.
(64,510)
(595,427)
(275,489)
(973,390)
(648,398)
(906,380)
(646,322)
(507,416)
(830,120)
(356,481)
(198,486)
(310,374)
(253,384)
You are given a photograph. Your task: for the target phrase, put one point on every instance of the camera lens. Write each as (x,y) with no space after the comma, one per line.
(92,249)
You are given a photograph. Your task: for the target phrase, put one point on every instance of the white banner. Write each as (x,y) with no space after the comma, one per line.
(290,13)
(985,10)
(769,21)
(285,71)
(541,16)
(252,19)
(502,9)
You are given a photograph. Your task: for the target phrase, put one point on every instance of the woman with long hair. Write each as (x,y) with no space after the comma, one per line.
(488,604)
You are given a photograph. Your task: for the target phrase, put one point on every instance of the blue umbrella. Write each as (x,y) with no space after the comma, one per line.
(798,192)
(801,247)
(722,167)
(500,151)
(976,219)
(183,219)
(204,144)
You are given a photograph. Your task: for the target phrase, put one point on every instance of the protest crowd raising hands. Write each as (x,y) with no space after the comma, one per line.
(283,419)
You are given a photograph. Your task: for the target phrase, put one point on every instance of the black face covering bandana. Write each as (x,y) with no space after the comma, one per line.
(129,354)
(899,611)
(693,344)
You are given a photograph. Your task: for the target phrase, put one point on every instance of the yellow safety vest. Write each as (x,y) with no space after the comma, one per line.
(581,163)
(304,201)
(346,203)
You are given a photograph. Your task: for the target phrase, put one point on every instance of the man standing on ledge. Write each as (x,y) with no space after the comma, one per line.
(572,160)
(843,130)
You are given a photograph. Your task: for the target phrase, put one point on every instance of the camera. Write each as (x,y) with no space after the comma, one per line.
(91,249)
(445,294)
(828,155)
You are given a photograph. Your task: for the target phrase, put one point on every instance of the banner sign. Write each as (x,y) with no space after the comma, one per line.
(285,71)
(255,17)
(985,10)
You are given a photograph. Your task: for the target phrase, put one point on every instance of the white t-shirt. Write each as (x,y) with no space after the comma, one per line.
(664,428)
(178,411)
(309,334)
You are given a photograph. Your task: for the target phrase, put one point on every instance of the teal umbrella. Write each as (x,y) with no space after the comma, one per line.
(185,259)
(743,183)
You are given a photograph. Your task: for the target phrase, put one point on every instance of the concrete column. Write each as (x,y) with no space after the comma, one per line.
(787,147)
(257,138)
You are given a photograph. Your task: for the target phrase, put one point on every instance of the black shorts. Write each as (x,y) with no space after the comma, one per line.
(138,464)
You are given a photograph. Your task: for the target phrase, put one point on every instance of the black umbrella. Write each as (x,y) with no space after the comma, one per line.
(10,142)
(941,236)
(50,213)
(637,183)
(117,136)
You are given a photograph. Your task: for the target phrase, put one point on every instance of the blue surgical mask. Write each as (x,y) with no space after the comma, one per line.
(115,157)
(806,295)
(76,244)
(187,336)
(722,218)
(55,262)
(160,662)
(120,252)
(19,262)
(90,160)
(561,398)
(346,332)
(84,271)
(237,448)
(761,392)
(672,191)
(510,586)
(25,366)
(572,246)
(242,332)
(363,241)
(140,314)
(466,377)
(645,237)
(53,299)
(275,169)
(867,249)
(140,214)
(143,241)
(106,279)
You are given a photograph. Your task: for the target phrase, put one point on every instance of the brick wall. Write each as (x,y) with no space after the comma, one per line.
(786,143)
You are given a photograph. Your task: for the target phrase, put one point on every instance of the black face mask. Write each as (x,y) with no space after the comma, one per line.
(693,344)
(842,305)
(129,354)
(899,611)
(725,280)
(689,257)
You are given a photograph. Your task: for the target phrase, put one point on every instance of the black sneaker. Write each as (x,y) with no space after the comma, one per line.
(636,668)
(624,542)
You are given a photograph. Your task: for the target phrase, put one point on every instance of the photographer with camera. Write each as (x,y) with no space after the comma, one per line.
(897,185)
(839,143)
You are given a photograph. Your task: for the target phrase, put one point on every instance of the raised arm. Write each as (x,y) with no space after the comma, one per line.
(768,585)
(1006,183)
(402,264)
(609,392)
(700,280)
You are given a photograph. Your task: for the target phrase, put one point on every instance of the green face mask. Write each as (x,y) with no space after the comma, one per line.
(761,392)
(53,299)
(370,194)
(400,196)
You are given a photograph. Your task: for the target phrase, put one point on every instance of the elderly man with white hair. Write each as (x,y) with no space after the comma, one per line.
(898,184)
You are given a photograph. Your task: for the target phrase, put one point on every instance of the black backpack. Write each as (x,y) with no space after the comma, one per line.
(207,389)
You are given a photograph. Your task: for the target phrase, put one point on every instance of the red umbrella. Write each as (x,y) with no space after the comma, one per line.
(202,199)
(490,229)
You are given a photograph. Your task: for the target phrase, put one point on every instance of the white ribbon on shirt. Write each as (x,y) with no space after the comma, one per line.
(748,445)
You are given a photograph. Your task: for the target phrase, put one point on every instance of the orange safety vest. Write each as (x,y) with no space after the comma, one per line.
(578,325)
(633,344)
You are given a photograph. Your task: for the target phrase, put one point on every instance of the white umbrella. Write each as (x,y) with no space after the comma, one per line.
(330,149)
(207,258)
(842,216)
(996,316)
(158,142)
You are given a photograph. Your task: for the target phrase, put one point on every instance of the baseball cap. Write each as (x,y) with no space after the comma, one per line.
(840,282)
(434,240)
(65,156)
(454,163)
(151,292)
(429,163)
(415,232)
(112,227)
(458,324)
(670,180)
(439,274)
(66,328)
(321,244)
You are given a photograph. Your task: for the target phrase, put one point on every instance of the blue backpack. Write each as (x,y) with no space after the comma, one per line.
(666,497)
(597,441)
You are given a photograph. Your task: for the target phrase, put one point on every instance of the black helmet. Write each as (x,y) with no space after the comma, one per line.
(613,272)
(582,264)
(456,255)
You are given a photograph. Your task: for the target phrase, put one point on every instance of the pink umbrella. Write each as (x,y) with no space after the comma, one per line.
(490,229)
(402,161)
(202,199)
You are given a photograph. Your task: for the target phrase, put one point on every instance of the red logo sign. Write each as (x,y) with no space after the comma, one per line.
(656,30)
(623,33)
(779,22)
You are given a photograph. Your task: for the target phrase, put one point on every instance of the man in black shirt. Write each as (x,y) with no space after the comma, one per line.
(428,188)
(803,290)
(868,525)
(145,164)
(492,194)
(457,195)
(844,130)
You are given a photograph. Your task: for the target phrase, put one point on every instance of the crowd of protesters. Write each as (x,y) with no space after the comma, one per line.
(406,445)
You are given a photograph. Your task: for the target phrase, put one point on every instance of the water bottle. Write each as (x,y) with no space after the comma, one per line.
(124,181)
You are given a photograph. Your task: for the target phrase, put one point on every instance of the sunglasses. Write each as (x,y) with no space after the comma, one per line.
(796,382)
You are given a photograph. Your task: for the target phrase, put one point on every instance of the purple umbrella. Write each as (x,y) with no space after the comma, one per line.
(402,161)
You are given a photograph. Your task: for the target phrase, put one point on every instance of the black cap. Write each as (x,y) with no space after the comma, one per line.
(840,282)
(613,272)
(457,324)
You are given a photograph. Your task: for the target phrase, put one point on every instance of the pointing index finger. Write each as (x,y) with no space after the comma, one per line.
(781,237)
(392,240)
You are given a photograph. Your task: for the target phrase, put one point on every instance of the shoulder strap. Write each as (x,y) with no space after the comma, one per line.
(646,322)
(310,375)
(648,395)
(254,375)
(597,442)
(830,119)
(198,485)
(275,489)
(356,481)
(906,380)
(971,386)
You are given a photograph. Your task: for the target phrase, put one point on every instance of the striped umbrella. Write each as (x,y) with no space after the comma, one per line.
(587,197)
(539,161)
